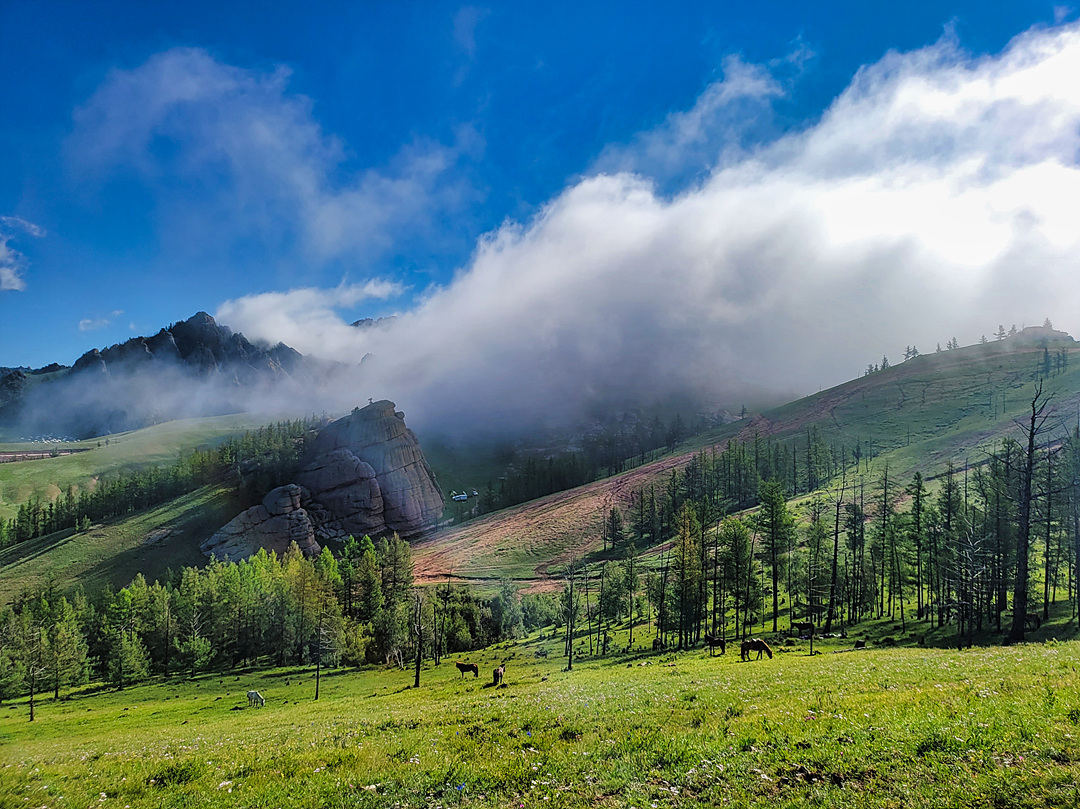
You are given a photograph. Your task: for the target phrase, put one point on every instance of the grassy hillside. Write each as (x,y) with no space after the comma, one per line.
(150,543)
(937,407)
(909,727)
(916,416)
(159,444)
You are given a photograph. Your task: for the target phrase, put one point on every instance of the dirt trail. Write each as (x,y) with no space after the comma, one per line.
(35,455)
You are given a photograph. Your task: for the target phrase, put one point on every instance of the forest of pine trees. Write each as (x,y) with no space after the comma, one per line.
(360,606)
(988,548)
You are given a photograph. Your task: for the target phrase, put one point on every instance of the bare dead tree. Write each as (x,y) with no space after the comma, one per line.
(838,502)
(1036,424)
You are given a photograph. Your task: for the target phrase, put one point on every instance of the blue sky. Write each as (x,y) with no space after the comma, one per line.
(290,170)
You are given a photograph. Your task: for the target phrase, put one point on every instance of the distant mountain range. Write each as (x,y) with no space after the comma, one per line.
(196,367)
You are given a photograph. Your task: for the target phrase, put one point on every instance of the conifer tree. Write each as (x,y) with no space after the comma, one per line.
(777,527)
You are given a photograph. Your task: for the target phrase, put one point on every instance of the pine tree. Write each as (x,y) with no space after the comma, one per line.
(777,527)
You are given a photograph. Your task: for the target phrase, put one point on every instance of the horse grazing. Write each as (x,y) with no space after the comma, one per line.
(716,643)
(256,699)
(754,645)
(498,674)
(802,627)
(464,667)
(658,645)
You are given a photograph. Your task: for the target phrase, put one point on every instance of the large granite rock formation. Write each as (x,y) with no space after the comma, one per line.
(345,494)
(274,524)
(377,437)
(363,474)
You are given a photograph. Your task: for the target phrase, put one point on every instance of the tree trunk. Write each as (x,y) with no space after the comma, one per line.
(1020,594)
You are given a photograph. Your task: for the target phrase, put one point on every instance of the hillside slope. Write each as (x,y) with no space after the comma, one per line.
(916,416)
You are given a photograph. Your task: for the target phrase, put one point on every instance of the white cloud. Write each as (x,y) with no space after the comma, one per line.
(94,323)
(693,139)
(12,262)
(233,151)
(465,22)
(307,319)
(934,198)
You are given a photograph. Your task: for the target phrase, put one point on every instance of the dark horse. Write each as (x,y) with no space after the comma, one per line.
(716,643)
(464,667)
(754,645)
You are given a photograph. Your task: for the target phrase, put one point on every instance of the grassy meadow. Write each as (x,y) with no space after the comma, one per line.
(160,444)
(150,542)
(908,726)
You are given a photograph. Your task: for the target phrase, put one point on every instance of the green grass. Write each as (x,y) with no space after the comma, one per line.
(150,542)
(935,408)
(901,727)
(47,478)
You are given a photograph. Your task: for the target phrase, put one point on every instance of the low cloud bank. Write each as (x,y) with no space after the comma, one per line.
(934,198)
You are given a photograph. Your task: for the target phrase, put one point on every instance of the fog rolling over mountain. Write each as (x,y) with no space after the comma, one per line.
(199,367)
(193,368)
(931,200)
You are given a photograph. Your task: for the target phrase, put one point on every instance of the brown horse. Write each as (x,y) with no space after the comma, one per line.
(716,643)
(803,627)
(464,667)
(498,674)
(754,645)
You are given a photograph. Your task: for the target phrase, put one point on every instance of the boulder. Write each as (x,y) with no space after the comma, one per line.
(274,524)
(347,489)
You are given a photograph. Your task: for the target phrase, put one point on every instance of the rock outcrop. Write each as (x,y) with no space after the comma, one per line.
(377,437)
(363,474)
(344,493)
(274,524)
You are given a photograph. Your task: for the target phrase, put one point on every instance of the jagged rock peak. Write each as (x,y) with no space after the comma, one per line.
(371,322)
(199,343)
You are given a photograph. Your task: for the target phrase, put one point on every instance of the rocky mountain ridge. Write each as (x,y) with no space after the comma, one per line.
(146,380)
